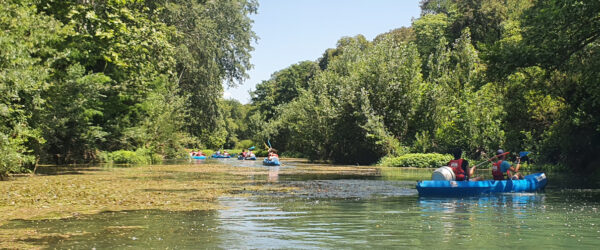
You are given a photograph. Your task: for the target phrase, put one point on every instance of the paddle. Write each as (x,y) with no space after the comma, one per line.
(481,163)
(524,155)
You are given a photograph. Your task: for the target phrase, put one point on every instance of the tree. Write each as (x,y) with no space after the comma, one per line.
(558,52)
(213,47)
(26,43)
(403,34)
(329,54)
(283,87)
(429,29)
(111,63)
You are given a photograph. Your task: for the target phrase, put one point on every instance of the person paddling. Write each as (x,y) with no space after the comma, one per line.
(501,167)
(273,154)
(460,167)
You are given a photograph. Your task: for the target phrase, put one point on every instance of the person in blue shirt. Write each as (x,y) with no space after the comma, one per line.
(501,167)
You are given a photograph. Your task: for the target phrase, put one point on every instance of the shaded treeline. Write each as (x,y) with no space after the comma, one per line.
(516,74)
(78,77)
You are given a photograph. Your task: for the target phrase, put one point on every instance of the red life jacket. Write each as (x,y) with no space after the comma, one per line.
(456,166)
(497,171)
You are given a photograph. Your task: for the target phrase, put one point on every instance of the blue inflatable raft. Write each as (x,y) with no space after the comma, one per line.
(275,162)
(199,157)
(221,156)
(531,183)
(246,158)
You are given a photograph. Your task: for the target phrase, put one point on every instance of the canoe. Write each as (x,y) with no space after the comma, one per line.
(221,156)
(199,157)
(246,158)
(531,183)
(275,162)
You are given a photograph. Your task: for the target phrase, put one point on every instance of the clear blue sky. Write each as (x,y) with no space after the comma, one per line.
(291,31)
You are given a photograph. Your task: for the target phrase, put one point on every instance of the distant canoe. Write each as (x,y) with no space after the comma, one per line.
(531,183)
(221,156)
(275,162)
(199,157)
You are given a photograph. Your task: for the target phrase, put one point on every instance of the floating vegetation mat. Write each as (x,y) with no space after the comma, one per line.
(60,192)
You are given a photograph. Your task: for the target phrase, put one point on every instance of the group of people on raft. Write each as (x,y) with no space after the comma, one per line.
(247,154)
(272,154)
(224,153)
(197,153)
(501,169)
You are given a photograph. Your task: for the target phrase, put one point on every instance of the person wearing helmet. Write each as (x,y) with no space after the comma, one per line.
(502,167)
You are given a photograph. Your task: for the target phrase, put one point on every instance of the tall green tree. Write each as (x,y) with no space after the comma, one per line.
(283,87)
(111,62)
(26,53)
(459,109)
(564,38)
(356,110)
(212,48)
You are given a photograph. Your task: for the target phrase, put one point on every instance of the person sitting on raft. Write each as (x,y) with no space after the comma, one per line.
(500,167)
(272,154)
(460,167)
(243,154)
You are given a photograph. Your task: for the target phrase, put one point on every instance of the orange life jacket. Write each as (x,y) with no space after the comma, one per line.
(456,166)
(497,171)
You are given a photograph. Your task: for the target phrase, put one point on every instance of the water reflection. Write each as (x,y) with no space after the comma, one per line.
(487,222)
(519,202)
(273,175)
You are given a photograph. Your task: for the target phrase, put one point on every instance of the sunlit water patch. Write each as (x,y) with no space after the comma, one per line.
(511,220)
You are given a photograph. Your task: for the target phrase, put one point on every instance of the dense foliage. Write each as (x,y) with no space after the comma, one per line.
(477,75)
(82,77)
(432,160)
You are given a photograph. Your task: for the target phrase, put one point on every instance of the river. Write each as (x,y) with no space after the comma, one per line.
(338,209)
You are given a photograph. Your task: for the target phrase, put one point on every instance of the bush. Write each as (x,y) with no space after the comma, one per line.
(126,157)
(140,156)
(416,160)
(13,155)
(149,156)
(104,156)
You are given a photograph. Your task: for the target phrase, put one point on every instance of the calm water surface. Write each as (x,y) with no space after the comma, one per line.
(332,211)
